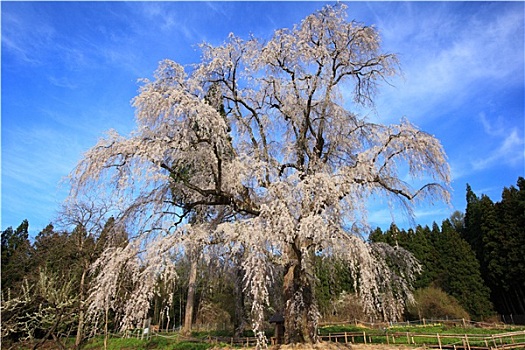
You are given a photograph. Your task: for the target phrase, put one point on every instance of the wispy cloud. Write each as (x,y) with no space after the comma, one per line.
(444,57)
(510,151)
(499,143)
(37,158)
(19,37)
(63,82)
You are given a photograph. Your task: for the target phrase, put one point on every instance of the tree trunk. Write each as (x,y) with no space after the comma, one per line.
(106,333)
(240,314)
(190,301)
(81,313)
(300,313)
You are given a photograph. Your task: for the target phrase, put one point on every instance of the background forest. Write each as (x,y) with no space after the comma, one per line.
(473,268)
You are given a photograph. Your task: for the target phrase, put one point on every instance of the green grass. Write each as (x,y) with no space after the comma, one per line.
(157,343)
(341,329)
(420,329)
(421,334)
(190,346)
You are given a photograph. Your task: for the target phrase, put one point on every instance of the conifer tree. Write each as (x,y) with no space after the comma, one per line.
(496,233)
(460,273)
(16,256)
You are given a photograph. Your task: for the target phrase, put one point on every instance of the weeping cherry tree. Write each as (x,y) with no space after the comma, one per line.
(263,130)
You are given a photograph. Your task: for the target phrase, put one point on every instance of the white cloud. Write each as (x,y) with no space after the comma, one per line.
(446,58)
(500,143)
(510,151)
(19,36)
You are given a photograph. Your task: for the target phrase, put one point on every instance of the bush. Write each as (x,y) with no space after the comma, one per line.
(347,307)
(432,302)
(212,314)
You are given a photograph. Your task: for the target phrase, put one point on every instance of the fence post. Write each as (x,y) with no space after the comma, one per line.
(364,337)
(439,341)
(466,340)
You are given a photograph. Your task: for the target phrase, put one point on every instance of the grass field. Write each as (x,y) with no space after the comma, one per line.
(399,338)
(429,335)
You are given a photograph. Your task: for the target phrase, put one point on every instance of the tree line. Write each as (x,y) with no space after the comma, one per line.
(472,267)
(478,257)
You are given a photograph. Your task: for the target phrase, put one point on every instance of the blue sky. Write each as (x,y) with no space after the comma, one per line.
(70,69)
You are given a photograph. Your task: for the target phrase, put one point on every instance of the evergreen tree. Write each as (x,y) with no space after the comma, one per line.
(460,274)
(511,214)
(447,260)
(496,232)
(421,246)
(418,243)
(472,232)
(54,251)
(16,256)
(333,279)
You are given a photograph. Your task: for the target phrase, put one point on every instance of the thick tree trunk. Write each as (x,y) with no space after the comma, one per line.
(300,314)
(190,301)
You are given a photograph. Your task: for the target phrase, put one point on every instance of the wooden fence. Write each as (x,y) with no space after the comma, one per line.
(460,322)
(512,340)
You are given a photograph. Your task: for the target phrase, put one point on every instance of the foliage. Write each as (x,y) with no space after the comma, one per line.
(49,300)
(433,303)
(496,233)
(448,263)
(16,253)
(334,283)
(41,311)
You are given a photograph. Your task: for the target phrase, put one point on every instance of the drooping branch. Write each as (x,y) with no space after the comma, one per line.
(261,132)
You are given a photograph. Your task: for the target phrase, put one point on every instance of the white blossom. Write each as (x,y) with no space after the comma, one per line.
(259,129)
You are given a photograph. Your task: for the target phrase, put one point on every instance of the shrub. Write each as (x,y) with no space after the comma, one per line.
(347,307)
(432,302)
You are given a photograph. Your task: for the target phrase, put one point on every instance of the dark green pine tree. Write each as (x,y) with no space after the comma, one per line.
(473,216)
(506,263)
(423,249)
(481,232)
(54,251)
(460,274)
(496,232)
(377,235)
(492,238)
(16,255)
(447,260)
(418,243)
(333,278)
